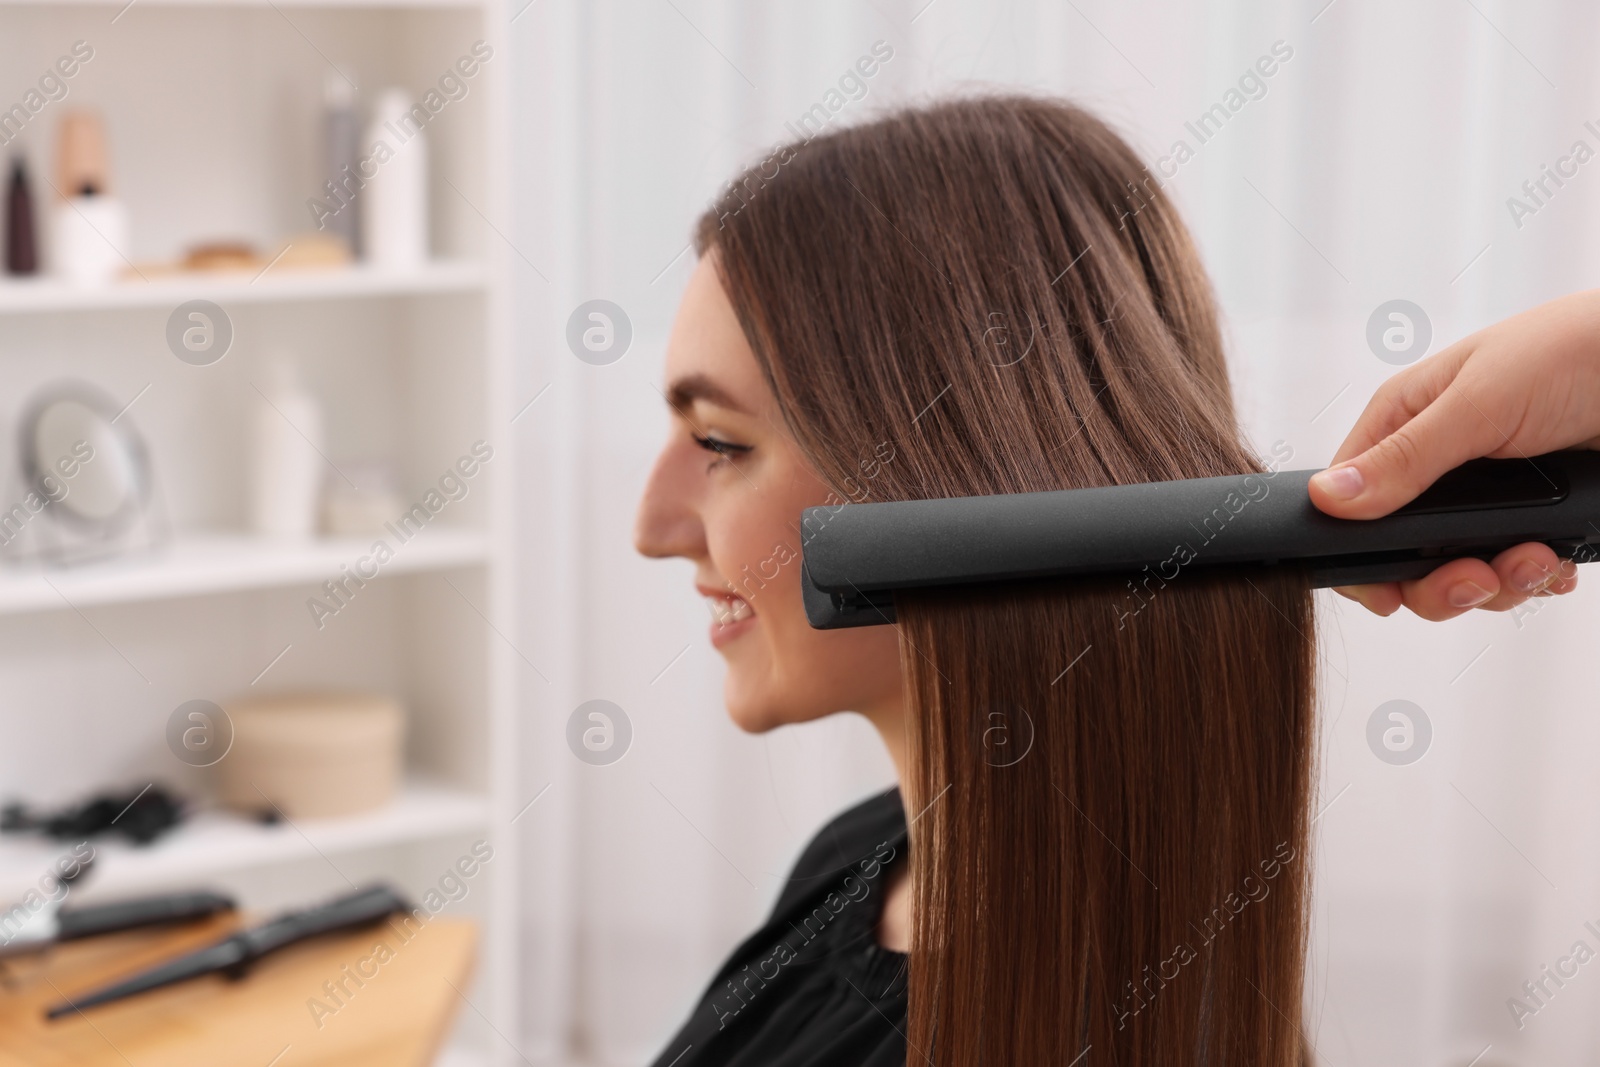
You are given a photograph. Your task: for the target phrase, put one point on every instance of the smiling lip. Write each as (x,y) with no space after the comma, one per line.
(731,615)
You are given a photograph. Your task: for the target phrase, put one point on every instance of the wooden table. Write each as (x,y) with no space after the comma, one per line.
(282,1014)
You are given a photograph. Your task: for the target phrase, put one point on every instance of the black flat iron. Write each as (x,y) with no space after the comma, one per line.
(857,556)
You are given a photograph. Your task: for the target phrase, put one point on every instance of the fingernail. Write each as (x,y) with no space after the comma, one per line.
(1468,595)
(1341,483)
(1529,577)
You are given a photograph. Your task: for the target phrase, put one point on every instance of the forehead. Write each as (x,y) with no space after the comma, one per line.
(707,343)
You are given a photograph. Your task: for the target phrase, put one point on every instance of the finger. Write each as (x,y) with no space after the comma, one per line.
(1567,582)
(1380,598)
(1401,398)
(1530,569)
(1394,403)
(1391,473)
(1456,587)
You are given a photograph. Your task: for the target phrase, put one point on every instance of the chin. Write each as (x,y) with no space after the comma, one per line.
(756,709)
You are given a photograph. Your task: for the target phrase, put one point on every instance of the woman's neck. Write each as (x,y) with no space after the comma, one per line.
(894,922)
(890,722)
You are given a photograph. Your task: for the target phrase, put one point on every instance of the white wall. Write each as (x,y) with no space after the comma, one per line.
(1377,165)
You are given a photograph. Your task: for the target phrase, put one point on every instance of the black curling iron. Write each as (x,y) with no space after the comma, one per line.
(856,556)
(233,955)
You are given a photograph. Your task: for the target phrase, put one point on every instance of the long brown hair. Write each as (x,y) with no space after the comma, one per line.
(1110,779)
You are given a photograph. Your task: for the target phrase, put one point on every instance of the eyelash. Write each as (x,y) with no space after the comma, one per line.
(722,449)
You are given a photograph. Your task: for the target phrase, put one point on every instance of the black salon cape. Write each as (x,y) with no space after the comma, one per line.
(813,986)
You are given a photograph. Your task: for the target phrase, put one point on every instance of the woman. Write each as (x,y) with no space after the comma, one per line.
(1107,782)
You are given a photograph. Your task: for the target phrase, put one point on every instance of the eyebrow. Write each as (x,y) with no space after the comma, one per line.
(684,391)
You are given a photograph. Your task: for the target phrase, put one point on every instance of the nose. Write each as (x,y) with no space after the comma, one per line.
(668,523)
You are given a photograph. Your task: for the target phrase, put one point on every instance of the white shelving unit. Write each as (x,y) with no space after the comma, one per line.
(213,109)
(216,842)
(208,564)
(395,5)
(43,294)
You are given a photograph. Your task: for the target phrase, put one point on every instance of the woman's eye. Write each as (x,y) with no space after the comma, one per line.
(721,447)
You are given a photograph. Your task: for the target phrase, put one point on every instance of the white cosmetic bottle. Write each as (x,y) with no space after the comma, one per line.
(89,229)
(394,219)
(287,468)
(88,233)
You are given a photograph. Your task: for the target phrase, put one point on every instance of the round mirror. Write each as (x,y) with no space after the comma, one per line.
(93,472)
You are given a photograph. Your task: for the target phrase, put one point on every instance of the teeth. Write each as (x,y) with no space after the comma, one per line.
(726,610)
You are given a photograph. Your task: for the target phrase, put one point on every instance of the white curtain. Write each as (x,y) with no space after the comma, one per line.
(1374,163)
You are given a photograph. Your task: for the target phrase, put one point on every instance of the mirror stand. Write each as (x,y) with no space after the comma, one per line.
(40,538)
(83,489)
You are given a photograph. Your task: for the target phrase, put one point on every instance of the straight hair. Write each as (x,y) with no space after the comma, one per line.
(1109,779)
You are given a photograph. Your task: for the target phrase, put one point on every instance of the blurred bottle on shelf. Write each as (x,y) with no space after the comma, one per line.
(341,144)
(89,230)
(394,219)
(22,246)
(286,457)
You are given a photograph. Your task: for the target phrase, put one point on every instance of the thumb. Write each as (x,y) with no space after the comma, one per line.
(1396,469)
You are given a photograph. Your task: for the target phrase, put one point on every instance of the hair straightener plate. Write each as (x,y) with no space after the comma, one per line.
(856,556)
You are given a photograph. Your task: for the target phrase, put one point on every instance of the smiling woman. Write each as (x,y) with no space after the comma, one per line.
(727,492)
(1128,878)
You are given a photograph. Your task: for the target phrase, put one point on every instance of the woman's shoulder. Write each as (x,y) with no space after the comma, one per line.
(873,831)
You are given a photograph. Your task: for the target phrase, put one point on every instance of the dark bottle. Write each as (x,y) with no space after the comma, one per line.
(22,247)
(342,150)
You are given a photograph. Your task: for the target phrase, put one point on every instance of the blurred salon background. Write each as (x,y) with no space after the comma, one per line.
(383,332)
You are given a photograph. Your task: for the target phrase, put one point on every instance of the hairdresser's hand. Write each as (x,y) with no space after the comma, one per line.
(1522,387)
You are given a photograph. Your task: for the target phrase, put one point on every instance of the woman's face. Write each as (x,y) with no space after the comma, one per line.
(726,493)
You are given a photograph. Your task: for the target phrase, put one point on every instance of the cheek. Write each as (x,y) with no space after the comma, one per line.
(748,545)
(784,671)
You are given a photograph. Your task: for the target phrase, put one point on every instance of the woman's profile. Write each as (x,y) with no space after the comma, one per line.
(1097,850)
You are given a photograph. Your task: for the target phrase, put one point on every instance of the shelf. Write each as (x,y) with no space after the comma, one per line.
(215,842)
(35,295)
(221,563)
(375,5)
